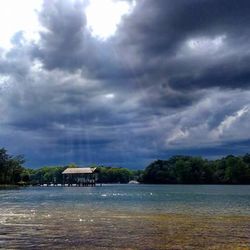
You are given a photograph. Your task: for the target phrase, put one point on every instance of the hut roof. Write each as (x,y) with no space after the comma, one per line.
(79,171)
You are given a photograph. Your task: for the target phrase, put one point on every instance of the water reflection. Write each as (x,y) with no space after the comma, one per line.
(118,217)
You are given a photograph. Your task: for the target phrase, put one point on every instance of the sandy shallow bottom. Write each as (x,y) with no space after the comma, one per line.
(75,229)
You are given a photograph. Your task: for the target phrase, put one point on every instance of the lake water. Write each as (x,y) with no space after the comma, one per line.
(126,217)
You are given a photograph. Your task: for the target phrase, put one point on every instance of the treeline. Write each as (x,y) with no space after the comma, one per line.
(176,170)
(117,175)
(12,172)
(11,169)
(195,170)
(53,174)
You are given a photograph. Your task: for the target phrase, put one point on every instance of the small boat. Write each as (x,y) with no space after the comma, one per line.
(133,182)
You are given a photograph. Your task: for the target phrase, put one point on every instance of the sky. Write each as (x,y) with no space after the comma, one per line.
(124,82)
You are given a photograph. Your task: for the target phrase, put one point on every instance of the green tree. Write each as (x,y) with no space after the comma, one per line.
(10,167)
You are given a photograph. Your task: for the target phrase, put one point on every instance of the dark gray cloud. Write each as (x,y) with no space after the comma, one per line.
(173,79)
(62,43)
(193,44)
(162,39)
(68,44)
(169,23)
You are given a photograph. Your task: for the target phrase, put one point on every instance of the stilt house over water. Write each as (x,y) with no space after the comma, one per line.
(80,176)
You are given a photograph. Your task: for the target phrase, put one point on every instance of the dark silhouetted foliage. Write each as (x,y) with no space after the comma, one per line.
(176,170)
(10,168)
(195,170)
(114,175)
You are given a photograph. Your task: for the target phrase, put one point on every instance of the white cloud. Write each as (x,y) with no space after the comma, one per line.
(201,46)
(178,135)
(3,80)
(16,15)
(205,44)
(228,122)
(103,17)
(109,96)
(211,122)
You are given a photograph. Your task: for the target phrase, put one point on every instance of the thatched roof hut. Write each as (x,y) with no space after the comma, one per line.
(79,176)
(79,171)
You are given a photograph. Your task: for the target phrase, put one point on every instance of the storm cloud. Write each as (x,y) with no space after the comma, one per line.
(173,79)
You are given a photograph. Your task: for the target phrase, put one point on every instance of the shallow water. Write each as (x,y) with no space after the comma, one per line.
(126,217)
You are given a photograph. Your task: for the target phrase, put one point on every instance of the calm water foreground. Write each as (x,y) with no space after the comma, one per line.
(126,217)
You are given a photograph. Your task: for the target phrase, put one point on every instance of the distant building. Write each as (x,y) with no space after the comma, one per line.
(133,182)
(80,176)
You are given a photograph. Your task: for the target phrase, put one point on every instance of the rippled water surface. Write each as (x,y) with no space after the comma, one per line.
(126,217)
